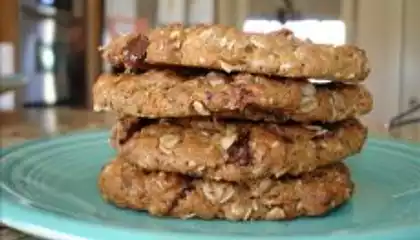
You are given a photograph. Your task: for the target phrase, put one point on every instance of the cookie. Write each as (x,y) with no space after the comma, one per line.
(235,151)
(166,93)
(226,48)
(170,194)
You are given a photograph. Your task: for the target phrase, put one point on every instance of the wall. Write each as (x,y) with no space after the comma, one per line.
(234,12)
(410,54)
(201,11)
(380,35)
(117,9)
(320,9)
(147,9)
(185,11)
(391,38)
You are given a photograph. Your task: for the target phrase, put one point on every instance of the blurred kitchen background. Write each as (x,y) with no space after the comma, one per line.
(49,57)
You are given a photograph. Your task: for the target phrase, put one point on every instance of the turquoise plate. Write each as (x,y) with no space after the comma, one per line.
(49,190)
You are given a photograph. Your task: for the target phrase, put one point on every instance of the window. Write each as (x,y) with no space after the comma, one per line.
(325,31)
(318,31)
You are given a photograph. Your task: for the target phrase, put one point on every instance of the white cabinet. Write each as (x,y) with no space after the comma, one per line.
(389,30)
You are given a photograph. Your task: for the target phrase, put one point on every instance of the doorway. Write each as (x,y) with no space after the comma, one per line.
(57,41)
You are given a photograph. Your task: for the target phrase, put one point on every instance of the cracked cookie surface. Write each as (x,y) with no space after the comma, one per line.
(170,194)
(219,47)
(167,93)
(235,151)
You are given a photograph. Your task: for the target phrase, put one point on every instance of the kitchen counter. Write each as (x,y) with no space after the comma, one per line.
(19,126)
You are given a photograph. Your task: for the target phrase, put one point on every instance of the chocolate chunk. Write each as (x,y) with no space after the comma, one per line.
(239,151)
(186,189)
(278,131)
(209,95)
(135,51)
(117,69)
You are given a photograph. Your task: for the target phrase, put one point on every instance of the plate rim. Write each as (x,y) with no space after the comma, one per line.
(12,212)
(72,228)
(102,130)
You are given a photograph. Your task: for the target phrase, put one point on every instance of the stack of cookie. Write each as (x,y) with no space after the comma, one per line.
(216,123)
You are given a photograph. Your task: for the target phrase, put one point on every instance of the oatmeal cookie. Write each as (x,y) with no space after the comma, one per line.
(226,48)
(166,93)
(235,151)
(171,194)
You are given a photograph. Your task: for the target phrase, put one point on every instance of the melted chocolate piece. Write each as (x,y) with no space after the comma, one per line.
(259,114)
(239,151)
(135,51)
(276,130)
(186,189)
(129,126)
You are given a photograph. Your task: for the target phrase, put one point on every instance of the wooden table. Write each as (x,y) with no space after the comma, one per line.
(17,127)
